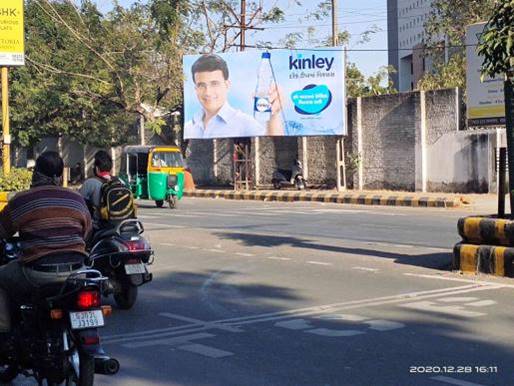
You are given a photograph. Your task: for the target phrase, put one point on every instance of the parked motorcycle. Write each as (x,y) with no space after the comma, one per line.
(123,255)
(287,178)
(55,335)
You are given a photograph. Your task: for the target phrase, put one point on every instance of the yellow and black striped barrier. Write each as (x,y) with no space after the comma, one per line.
(486,230)
(339,198)
(488,259)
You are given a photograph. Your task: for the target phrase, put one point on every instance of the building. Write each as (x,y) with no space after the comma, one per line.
(406,34)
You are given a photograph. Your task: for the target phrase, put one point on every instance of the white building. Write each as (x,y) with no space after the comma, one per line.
(406,33)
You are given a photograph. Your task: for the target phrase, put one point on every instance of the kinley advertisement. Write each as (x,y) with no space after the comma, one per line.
(252,94)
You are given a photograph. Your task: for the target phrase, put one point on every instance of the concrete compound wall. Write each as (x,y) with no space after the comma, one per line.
(408,141)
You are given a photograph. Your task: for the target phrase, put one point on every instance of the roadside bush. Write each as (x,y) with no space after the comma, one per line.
(17,180)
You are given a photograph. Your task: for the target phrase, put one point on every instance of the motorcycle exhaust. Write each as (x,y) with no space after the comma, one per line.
(106,365)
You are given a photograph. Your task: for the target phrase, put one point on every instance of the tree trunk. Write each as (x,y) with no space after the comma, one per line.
(509,122)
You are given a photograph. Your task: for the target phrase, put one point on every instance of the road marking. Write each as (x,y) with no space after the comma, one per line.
(156,224)
(366,269)
(456,279)
(245,254)
(175,341)
(383,325)
(456,310)
(200,322)
(318,263)
(278,258)
(215,250)
(308,311)
(334,333)
(346,317)
(453,381)
(204,350)
(190,247)
(168,244)
(295,324)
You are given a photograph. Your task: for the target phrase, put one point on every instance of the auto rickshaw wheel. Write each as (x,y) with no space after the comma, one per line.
(159,203)
(172,201)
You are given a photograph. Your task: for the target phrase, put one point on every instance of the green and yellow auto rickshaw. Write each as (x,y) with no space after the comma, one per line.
(154,173)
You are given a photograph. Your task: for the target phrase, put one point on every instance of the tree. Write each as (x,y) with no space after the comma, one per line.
(446,31)
(497,48)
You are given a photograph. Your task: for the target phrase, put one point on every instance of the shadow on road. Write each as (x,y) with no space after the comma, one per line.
(438,260)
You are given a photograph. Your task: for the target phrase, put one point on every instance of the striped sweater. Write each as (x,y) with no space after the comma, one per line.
(49,219)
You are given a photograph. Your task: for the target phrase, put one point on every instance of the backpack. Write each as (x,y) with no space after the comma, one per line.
(116,201)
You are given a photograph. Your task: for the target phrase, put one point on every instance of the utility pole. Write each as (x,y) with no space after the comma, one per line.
(6,148)
(334,23)
(340,159)
(243,25)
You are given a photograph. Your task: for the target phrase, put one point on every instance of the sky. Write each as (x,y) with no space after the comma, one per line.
(355,16)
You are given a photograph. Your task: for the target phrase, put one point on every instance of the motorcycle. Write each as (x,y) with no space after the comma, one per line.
(54,337)
(123,255)
(286,178)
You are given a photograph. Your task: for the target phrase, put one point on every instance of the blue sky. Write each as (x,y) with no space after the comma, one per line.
(356,16)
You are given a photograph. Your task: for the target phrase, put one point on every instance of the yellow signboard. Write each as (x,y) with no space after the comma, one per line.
(12,51)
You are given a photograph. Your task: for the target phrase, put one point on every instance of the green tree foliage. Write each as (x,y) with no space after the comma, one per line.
(497,41)
(449,75)
(89,75)
(446,26)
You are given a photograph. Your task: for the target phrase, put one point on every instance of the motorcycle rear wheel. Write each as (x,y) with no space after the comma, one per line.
(86,376)
(172,202)
(125,294)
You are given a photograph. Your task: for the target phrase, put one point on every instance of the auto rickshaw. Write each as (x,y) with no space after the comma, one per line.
(154,173)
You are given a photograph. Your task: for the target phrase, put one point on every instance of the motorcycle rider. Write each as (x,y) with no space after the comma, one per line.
(53,224)
(92,187)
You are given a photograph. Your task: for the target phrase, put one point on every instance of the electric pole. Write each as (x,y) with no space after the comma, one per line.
(334,23)
(243,25)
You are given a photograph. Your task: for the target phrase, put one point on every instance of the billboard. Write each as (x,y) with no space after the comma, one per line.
(485,100)
(253,94)
(12,43)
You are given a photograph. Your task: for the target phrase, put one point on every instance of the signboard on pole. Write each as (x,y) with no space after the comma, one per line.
(485,100)
(12,42)
(253,94)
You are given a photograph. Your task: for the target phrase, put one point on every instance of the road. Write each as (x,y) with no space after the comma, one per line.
(255,293)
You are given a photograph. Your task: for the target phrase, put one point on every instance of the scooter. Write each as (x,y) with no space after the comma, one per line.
(286,178)
(123,255)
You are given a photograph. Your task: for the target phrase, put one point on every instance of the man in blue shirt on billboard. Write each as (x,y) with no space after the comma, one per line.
(218,119)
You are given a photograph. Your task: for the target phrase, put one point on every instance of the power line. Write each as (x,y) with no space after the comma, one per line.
(341,49)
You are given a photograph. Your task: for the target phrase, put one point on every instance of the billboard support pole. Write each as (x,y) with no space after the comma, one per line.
(509,125)
(6,148)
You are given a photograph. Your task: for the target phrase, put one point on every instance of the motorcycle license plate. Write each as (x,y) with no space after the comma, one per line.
(133,269)
(86,319)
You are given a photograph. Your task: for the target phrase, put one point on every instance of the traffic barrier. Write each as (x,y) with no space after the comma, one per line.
(486,230)
(488,259)
(340,198)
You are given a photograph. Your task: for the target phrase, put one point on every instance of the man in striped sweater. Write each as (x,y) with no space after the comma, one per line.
(53,224)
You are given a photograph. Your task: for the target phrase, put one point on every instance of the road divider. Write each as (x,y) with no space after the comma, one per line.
(487,246)
(330,197)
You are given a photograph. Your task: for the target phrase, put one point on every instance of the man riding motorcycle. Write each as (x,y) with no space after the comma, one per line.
(53,223)
(91,189)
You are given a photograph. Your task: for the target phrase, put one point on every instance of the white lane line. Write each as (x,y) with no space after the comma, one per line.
(199,322)
(318,263)
(453,381)
(278,258)
(157,224)
(456,279)
(215,250)
(245,254)
(207,351)
(179,340)
(366,269)
(281,315)
(168,244)
(190,247)
(218,214)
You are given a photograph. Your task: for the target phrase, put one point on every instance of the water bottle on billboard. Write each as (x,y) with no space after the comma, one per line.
(262,105)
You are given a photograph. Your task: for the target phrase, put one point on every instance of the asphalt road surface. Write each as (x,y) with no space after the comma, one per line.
(254,293)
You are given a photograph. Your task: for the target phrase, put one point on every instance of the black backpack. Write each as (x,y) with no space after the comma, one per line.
(116,201)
